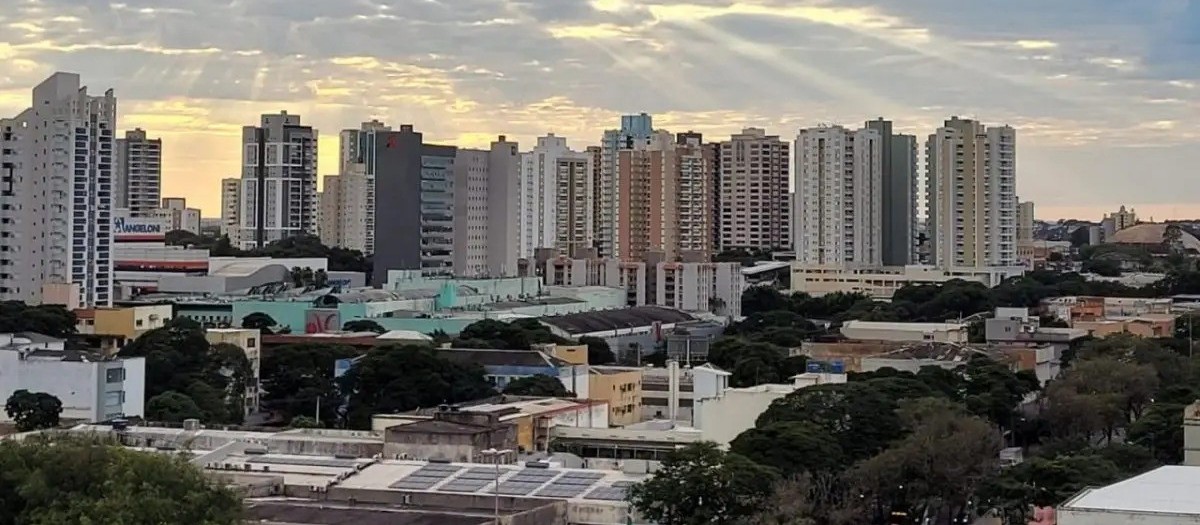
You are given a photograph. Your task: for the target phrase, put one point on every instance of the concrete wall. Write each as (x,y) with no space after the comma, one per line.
(1088,517)
(723,419)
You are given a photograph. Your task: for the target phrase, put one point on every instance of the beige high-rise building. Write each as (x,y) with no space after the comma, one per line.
(646,198)
(1024,221)
(357,147)
(574,206)
(696,191)
(231,199)
(971,195)
(343,209)
(754,191)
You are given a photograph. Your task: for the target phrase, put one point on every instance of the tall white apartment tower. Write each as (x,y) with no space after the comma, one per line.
(138,185)
(754,191)
(838,218)
(971,195)
(56,185)
(486,194)
(575,203)
(356,159)
(538,207)
(279,180)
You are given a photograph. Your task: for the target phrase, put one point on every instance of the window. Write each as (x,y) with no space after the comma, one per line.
(115,375)
(250,342)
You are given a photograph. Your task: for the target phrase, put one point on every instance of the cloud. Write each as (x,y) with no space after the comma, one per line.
(1079,78)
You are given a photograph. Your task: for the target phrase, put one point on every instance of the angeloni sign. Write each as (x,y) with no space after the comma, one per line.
(122,225)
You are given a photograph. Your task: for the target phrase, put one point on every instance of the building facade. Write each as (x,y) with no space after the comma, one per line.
(344,209)
(838,217)
(971,195)
(177,215)
(357,155)
(575,203)
(139,173)
(231,205)
(899,189)
(539,177)
(486,194)
(415,231)
(279,180)
(701,287)
(754,191)
(1025,211)
(56,170)
(646,202)
(249,341)
(696,196)
(881,283)
(635,130)
(91,387)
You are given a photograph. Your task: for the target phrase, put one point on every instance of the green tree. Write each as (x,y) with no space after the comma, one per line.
(261,321)
(517,335)
(178,357)
(92,481)
(791,448)
(701,485)
(304,422)
(861,419)
(363,325)
(762,299)
(539,385)
(172,407)
(599,352)
(51,320)
(33,410)
(391,379)
(294,377)
(992,389)
(1160,429)
(1103,267)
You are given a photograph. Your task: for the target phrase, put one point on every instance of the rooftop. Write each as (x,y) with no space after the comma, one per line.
(1165,490)
(305,512)
(932,350)
(483,357)
(606,320)
(911,327)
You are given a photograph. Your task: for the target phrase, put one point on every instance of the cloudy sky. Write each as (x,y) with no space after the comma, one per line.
(1104,93)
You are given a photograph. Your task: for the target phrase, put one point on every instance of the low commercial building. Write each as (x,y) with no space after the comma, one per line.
(621,389)
(701,287)
(906,332)
(724,415)
(1163,496)
(111,328)
(882,283)
(249,340)
(450,435)
(1016,325)
(628,331)
(91,387)
(1090,308)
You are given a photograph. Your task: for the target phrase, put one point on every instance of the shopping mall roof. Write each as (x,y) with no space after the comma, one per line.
(606,320)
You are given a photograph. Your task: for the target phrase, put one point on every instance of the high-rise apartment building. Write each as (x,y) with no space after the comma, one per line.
(636,130)
(139,173)
(176,214)
(343,205)
(899,189)
(415,230)
(574,204)
(357,147)
(231,205)
(696,196)
(537,220)
(754,191)
(486,199)
(1025,216)
(646,199)
(971,195)
(279,180)
(838,217)
(57,163)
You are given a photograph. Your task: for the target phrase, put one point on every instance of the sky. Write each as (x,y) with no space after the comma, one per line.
(1105,94)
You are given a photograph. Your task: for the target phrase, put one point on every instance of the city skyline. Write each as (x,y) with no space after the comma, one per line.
(1097,94)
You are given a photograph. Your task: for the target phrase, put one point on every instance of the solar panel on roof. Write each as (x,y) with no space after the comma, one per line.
(608,494)
(308,462)
(470,485)
(623,484)
(579,478)
(517,488)
(562,491)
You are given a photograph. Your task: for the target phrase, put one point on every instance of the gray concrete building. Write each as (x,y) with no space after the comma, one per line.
(899,194)
(139,173)
(279,180)
(414,219)
(486,216)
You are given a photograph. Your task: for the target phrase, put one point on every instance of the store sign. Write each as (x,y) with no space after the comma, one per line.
(129,226)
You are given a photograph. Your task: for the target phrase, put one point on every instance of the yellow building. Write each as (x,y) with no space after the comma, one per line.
(250,341)
(114,327)
(573,354)
(621,388)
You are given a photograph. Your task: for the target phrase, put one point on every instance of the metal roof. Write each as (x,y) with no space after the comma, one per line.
(1165,490)
(604,320)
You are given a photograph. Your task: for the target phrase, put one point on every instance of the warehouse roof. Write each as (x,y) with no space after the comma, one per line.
(604,320)
(1165,490)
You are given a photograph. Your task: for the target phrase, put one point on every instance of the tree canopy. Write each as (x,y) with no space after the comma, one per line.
(180,359)
(89,481)
(33,410)
(294,377)
(363,325)
(539,385)
(700,484)
(392,379)
(598,351)
(51,320)
(517,335)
